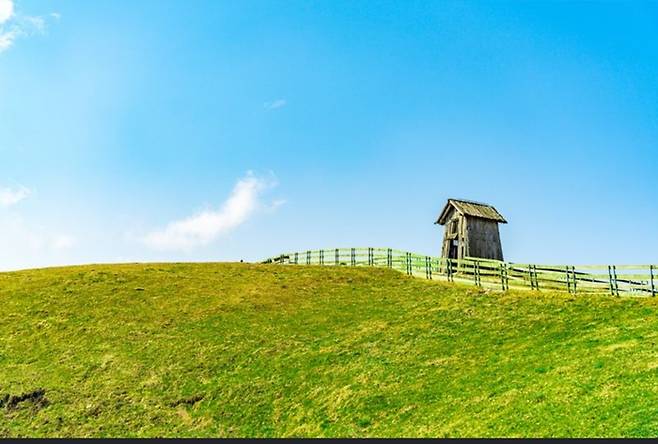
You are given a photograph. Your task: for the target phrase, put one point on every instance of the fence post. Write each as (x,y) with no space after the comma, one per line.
(308,257)
(352,257)
(614,276)
(389,258)
(653,288)
(337,257)
(503,276)
(506,278)
(479,275)
(296,258)
(566,267)
(614,287)
(575,281)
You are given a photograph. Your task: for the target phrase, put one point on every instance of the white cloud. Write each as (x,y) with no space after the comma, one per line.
(7,39)
(277,203)
(11,196)
(6,10)
(25,244)
(15,25)
(279,103)
(206,226)
(28,243)
(38,24)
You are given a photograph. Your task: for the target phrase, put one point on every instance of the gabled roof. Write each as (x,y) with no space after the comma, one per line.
(470,208)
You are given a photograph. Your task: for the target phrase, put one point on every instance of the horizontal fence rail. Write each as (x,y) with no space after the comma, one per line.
(639,280)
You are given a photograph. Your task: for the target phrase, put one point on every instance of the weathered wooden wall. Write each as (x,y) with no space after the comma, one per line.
(449,235)
(477,237)
(482,239)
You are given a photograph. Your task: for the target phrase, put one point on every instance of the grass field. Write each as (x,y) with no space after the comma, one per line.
(266,350)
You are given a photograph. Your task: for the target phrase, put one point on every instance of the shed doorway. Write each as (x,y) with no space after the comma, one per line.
(454,249)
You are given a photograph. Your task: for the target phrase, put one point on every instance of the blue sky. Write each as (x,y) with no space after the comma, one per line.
(214,130)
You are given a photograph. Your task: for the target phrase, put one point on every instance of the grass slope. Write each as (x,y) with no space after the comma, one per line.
(266,350)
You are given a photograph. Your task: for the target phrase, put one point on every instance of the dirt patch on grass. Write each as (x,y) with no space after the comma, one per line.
(36,399)
(187,401)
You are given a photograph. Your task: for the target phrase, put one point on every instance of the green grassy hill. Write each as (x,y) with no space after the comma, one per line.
(266,350)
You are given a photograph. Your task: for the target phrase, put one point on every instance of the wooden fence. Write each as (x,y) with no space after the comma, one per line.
(639,280)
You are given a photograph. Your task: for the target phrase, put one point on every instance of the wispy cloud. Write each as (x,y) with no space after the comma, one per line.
(25,244)
(11,196)
(6,10)
(279,103)
(7,39)
(38,24)
(14,25)
(206,226)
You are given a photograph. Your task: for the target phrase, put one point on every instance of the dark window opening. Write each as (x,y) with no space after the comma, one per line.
(453,252)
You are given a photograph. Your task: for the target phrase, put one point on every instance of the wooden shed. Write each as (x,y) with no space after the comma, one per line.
(471,230)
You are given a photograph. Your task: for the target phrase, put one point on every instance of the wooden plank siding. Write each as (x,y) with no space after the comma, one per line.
(470,230)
